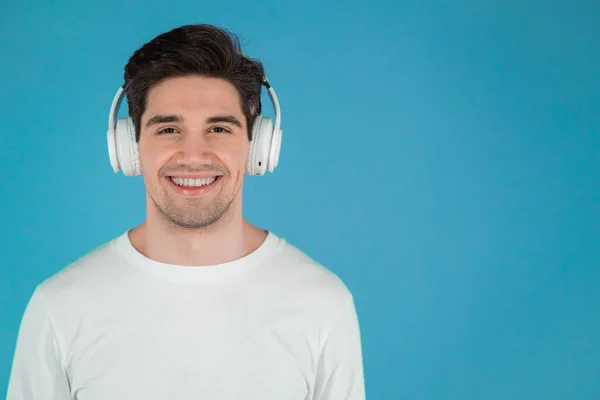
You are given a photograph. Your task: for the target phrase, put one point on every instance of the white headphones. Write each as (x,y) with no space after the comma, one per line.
(264,147)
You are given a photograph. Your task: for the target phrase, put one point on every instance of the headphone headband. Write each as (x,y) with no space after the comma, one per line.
(275,102)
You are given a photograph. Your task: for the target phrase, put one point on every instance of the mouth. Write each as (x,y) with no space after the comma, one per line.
(193,186)
(193,182)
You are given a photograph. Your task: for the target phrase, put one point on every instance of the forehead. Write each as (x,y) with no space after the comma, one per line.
(194,94)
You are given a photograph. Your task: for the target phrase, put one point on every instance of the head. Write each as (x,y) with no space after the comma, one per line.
(193,98)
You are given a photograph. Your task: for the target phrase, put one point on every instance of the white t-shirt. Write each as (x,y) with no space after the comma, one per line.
(116,325)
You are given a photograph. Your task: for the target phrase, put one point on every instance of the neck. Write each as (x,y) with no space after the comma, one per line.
(226,240)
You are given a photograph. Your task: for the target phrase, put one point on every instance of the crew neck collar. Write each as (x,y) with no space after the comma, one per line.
(191,274)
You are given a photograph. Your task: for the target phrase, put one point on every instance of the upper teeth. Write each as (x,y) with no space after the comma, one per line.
(193,182)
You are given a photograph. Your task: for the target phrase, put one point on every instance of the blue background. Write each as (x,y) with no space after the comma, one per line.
(443,158)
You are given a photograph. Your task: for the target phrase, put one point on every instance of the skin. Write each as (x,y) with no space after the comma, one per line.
(204,229)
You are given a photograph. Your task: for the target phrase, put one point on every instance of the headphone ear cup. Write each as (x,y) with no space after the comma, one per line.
(260,146)
(112,150)
(127,148)
(275,150)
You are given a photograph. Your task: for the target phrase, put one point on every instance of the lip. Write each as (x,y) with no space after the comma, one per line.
(193,191)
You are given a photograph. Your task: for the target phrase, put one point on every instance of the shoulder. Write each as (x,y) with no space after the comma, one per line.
(303,277)
(90,271)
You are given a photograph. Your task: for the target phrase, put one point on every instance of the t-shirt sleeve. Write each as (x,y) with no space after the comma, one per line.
(37,372)
(340,368)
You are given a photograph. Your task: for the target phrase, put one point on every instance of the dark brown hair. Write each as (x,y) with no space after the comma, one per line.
(200,49)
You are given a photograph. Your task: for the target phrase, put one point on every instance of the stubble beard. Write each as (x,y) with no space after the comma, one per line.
(194,215)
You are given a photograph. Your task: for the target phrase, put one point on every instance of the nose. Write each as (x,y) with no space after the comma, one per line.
(194,150)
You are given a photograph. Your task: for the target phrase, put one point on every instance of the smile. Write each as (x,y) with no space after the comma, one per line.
(189,182)
(193,187)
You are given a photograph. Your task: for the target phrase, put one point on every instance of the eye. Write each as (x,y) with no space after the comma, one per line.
(166,131)
(220,129)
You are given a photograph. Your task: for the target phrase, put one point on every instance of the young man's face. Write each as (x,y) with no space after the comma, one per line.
(193,149)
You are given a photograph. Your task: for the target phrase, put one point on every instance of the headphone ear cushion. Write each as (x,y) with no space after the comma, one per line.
(260,146)
(127,148)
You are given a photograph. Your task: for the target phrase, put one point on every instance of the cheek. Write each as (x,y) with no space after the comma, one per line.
(242,158)
(152,158)
(234,156)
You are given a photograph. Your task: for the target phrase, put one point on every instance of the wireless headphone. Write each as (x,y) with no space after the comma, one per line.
(264,147)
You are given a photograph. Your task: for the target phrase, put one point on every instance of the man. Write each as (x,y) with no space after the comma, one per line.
(194,303)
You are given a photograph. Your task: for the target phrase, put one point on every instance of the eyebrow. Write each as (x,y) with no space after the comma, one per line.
(163,119)
(230,119)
